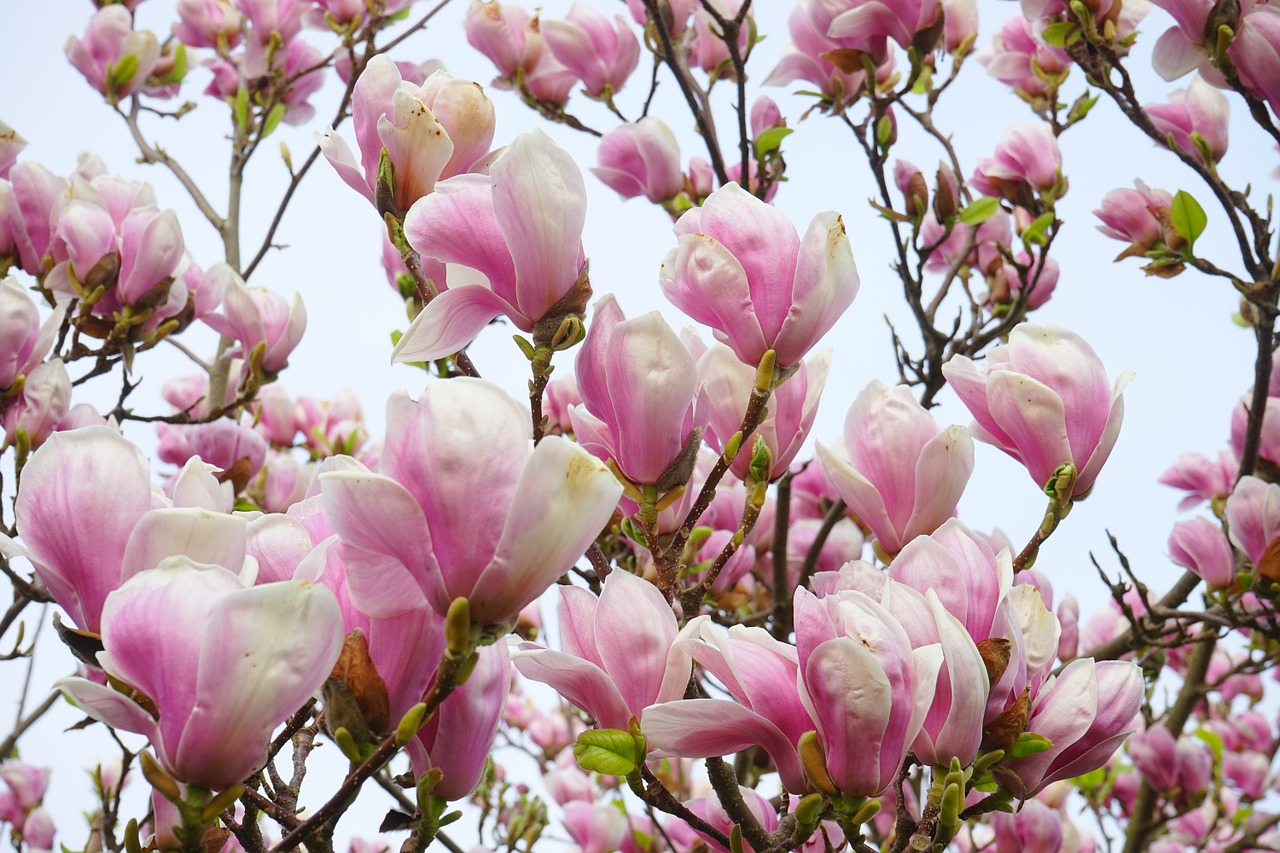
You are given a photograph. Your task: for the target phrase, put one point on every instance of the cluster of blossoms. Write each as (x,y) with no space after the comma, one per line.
(902,679)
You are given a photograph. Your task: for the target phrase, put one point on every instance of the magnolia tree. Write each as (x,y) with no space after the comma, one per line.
(756,642)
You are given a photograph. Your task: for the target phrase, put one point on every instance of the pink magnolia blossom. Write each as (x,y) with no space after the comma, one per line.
(1027,158)
(596,827)
(726,385)
(223,663)
(107,43)
(26,783)
(506,34)
(1035,826)
(993,237)
(868,690)
(429,132)
(765,115)
(1154,754)
(741,268)
(899,472)
(261,67)
(803,59)
(550,81)
(642,158)
(1086,712)
(24,340)
(954,721)
(976,586)
(1200,546)
(1253,516)
(30,199)
(1136,215)
(1043,399)
(207,23)
(1018,56)
(259,316)
(1203,478)
(869,24)
(459,737)
(599,53)
(43,404)
(282,17)
(532,266)
(620,652)
(83,547)
(457,469)
(142,249)
(1199,109)
(638,384)
(11,145)
(1043,278)
(708,50)
(1256,53)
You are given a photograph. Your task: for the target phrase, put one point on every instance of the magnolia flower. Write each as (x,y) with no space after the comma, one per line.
(620,652)
(637,383)
(601,54)
(428,132)
(257,316)
(221,663)
(465,506)
(532,268)
(898,471)
(1043,399)
(741,269)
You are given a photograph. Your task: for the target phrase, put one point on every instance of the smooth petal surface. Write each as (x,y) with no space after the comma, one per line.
(205,537)
(700,728)
(579,681)
(375,515)
(534,173)
(286,635)
(76,540)
(563,499)
(448,323)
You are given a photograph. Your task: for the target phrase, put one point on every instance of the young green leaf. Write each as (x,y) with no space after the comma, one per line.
(1187,217)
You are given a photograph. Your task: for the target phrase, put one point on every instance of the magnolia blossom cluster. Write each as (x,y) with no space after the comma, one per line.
(830,622)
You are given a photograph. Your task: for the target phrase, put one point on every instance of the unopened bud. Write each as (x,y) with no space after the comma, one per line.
(917,195)
(457,626)
(945,200)
(157,777)
(814,761)
(220,803)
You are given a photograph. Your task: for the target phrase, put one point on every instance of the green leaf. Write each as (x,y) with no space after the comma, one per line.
(1081,107)
(179,69)
(120,73)
(272,120)
(610,752)
(1035,231)
(980,211)
(240,108)
(1187,217)
(1056,35)
(1214,742)
(1030,743)
(1090,780)
(771,140)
